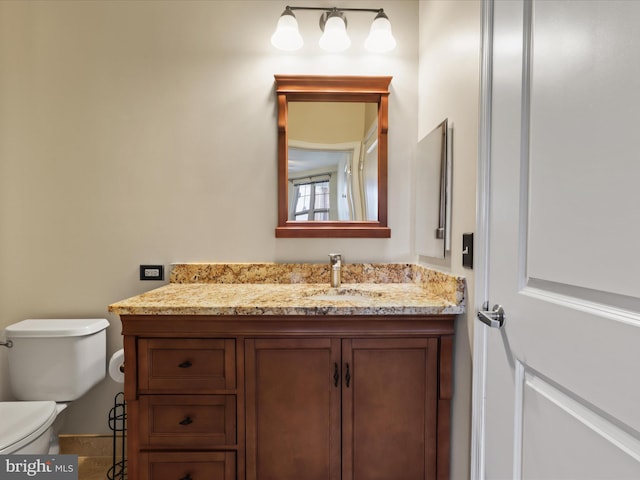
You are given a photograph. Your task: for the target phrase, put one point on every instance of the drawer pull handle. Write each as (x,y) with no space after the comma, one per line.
(186,421)
(186,477)
(185,364)
(347,377)
(336,375)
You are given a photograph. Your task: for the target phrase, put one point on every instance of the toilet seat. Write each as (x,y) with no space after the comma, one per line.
(23,422)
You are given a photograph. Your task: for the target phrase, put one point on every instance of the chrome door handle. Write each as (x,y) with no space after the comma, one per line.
(494,318)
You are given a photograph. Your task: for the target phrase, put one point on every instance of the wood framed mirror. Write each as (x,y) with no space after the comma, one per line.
(332,156)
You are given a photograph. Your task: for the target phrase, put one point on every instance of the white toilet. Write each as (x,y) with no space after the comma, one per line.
(51,363)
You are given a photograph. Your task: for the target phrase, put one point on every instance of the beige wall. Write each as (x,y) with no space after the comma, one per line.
(145,132)
(449,69)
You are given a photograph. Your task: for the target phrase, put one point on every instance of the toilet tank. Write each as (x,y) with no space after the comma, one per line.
(56,359)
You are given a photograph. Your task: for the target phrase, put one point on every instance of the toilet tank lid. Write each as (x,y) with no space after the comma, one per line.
(56,327)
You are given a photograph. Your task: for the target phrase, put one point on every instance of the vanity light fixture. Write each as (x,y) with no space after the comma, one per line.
(287,37)
(333,23)
(334,38)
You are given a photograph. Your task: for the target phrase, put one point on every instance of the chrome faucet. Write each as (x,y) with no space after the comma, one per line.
(335,260)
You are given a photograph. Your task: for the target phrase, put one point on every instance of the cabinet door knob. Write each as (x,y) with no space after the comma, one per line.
(186,421)
(186,477)
(336,375)
(185,364)
(347,376)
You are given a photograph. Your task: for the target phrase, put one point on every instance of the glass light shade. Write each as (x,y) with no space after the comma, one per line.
(380,38)
(335,38)
(287,37)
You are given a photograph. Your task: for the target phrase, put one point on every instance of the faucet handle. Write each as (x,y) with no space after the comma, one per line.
(335,258)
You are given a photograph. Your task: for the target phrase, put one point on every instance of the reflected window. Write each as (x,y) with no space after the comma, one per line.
(311,199)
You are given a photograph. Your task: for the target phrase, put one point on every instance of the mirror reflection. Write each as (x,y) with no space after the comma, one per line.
(332,166)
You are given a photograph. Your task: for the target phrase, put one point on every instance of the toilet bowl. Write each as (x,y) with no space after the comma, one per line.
(51,363)
(26,427)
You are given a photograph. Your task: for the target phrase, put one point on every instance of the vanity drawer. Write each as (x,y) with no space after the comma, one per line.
(182,365)
(187,421)
(193,465)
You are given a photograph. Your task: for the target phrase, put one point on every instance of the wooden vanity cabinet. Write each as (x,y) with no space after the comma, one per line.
(341,408)
(288,398)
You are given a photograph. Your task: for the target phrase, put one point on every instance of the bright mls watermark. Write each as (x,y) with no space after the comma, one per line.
(51,467)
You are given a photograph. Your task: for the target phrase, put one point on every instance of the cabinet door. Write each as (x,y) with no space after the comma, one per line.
(389,408)
(293,409)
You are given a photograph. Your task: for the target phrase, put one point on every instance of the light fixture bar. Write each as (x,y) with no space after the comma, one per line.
(333,23)
(328,9)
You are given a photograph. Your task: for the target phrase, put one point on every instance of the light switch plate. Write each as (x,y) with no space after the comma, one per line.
(467,250)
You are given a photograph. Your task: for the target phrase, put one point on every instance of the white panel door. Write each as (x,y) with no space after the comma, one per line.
(562,376)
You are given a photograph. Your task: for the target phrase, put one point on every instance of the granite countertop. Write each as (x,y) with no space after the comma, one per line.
(299,289)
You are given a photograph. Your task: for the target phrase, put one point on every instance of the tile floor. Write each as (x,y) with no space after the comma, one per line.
(95,454)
